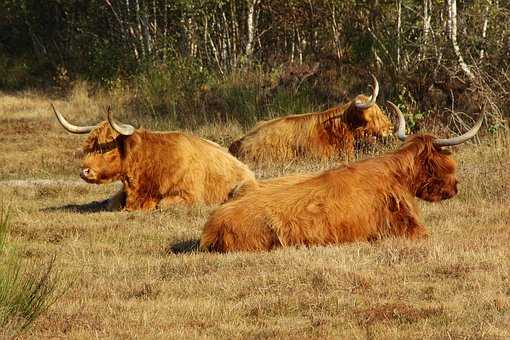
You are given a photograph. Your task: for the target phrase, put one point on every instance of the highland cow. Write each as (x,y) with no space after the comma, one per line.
(319,135)
(157,168)
(361,201)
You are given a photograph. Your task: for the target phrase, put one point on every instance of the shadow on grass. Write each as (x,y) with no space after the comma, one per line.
(184,247)
(86,208)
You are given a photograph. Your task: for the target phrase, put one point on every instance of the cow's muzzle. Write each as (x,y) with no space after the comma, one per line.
(88,175)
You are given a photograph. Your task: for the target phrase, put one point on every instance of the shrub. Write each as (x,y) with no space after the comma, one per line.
(25,290)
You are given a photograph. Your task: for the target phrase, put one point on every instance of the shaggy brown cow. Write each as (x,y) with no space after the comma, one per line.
(365,200)
(156,167)
(318,135)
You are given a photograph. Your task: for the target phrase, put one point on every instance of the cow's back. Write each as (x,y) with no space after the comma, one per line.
(180,167)
(340,205)
(221,170)
(279,140)
(285,138)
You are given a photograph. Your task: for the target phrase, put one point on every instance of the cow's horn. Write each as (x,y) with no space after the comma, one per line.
(373,97)
(401,132)
(123,129)
(70,127)
(460,139)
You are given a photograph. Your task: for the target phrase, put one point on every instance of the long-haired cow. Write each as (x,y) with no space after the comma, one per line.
(157,168)
(365,200)
(320,135)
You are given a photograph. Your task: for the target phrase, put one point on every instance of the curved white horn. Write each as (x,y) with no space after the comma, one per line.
(123,129)
(401,132)
(70,127)
(373,97)
(462,138)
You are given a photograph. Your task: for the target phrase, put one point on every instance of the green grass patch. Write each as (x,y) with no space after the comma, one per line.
(26,289)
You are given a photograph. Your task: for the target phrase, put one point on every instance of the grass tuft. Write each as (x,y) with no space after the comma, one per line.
(25,290)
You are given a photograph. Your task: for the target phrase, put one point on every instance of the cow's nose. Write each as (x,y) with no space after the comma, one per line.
(85,172)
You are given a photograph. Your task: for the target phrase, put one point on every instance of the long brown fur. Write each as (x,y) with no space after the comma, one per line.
(362,201)
(161,168)
(101,140)
(319,135)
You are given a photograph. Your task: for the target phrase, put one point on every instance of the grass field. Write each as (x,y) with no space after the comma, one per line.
(132,275)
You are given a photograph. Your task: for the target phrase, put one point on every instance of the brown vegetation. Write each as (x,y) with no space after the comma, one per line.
(124,283)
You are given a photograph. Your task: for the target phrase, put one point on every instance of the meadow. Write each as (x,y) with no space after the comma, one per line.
(138,275)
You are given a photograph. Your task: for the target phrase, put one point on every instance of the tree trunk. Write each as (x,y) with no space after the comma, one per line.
(484,29)
(426,20)
(452,31)
(399,28)
(250,24)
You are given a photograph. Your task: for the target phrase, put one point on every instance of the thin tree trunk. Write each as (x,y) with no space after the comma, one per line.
(484,29)
(452,30)
(125,29)
(138,33)
(399,28)
(251,27)
(427,10)
(165,29)
(235,32)
(336,31)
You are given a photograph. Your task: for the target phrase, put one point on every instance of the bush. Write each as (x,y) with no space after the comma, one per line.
(181,94)
(25,290)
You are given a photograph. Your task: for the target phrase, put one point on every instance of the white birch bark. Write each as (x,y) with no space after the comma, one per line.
(250,22)
(399,28)
(452,31)
(426,20)
(484,28)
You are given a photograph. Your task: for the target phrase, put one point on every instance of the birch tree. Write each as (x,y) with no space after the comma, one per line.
(452,32)
(250,25)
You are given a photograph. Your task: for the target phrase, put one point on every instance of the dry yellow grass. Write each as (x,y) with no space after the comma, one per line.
(126,284)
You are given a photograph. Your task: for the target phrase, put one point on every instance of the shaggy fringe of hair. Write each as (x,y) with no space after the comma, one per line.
(361,201)
(320,135)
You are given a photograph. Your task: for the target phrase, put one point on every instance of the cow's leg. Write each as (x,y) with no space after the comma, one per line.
(136,203)
(170,201)
(230,231)
(416,230)
(139,200)
(404,219)
(149,204)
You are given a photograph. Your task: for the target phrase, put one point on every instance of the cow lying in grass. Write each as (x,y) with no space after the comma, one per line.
(157,168)
(361,201)
(319,135)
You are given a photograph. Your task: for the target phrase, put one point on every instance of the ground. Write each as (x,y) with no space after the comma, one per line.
(136,275)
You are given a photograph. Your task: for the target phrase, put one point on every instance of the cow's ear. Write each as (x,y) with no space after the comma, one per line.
(445,151)
(128,144)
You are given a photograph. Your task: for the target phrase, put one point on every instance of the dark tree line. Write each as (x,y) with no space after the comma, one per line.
(102,40)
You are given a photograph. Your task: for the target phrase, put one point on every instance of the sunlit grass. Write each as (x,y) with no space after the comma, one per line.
(126,284)
(26,289)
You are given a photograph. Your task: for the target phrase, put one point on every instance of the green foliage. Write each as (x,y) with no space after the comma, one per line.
(287,102)
(234,97)
(170,90)
(182,57)
(407,104)
(182,94)
(26,291)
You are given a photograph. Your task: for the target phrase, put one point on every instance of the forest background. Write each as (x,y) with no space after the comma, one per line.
(189,62)
(216,67)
